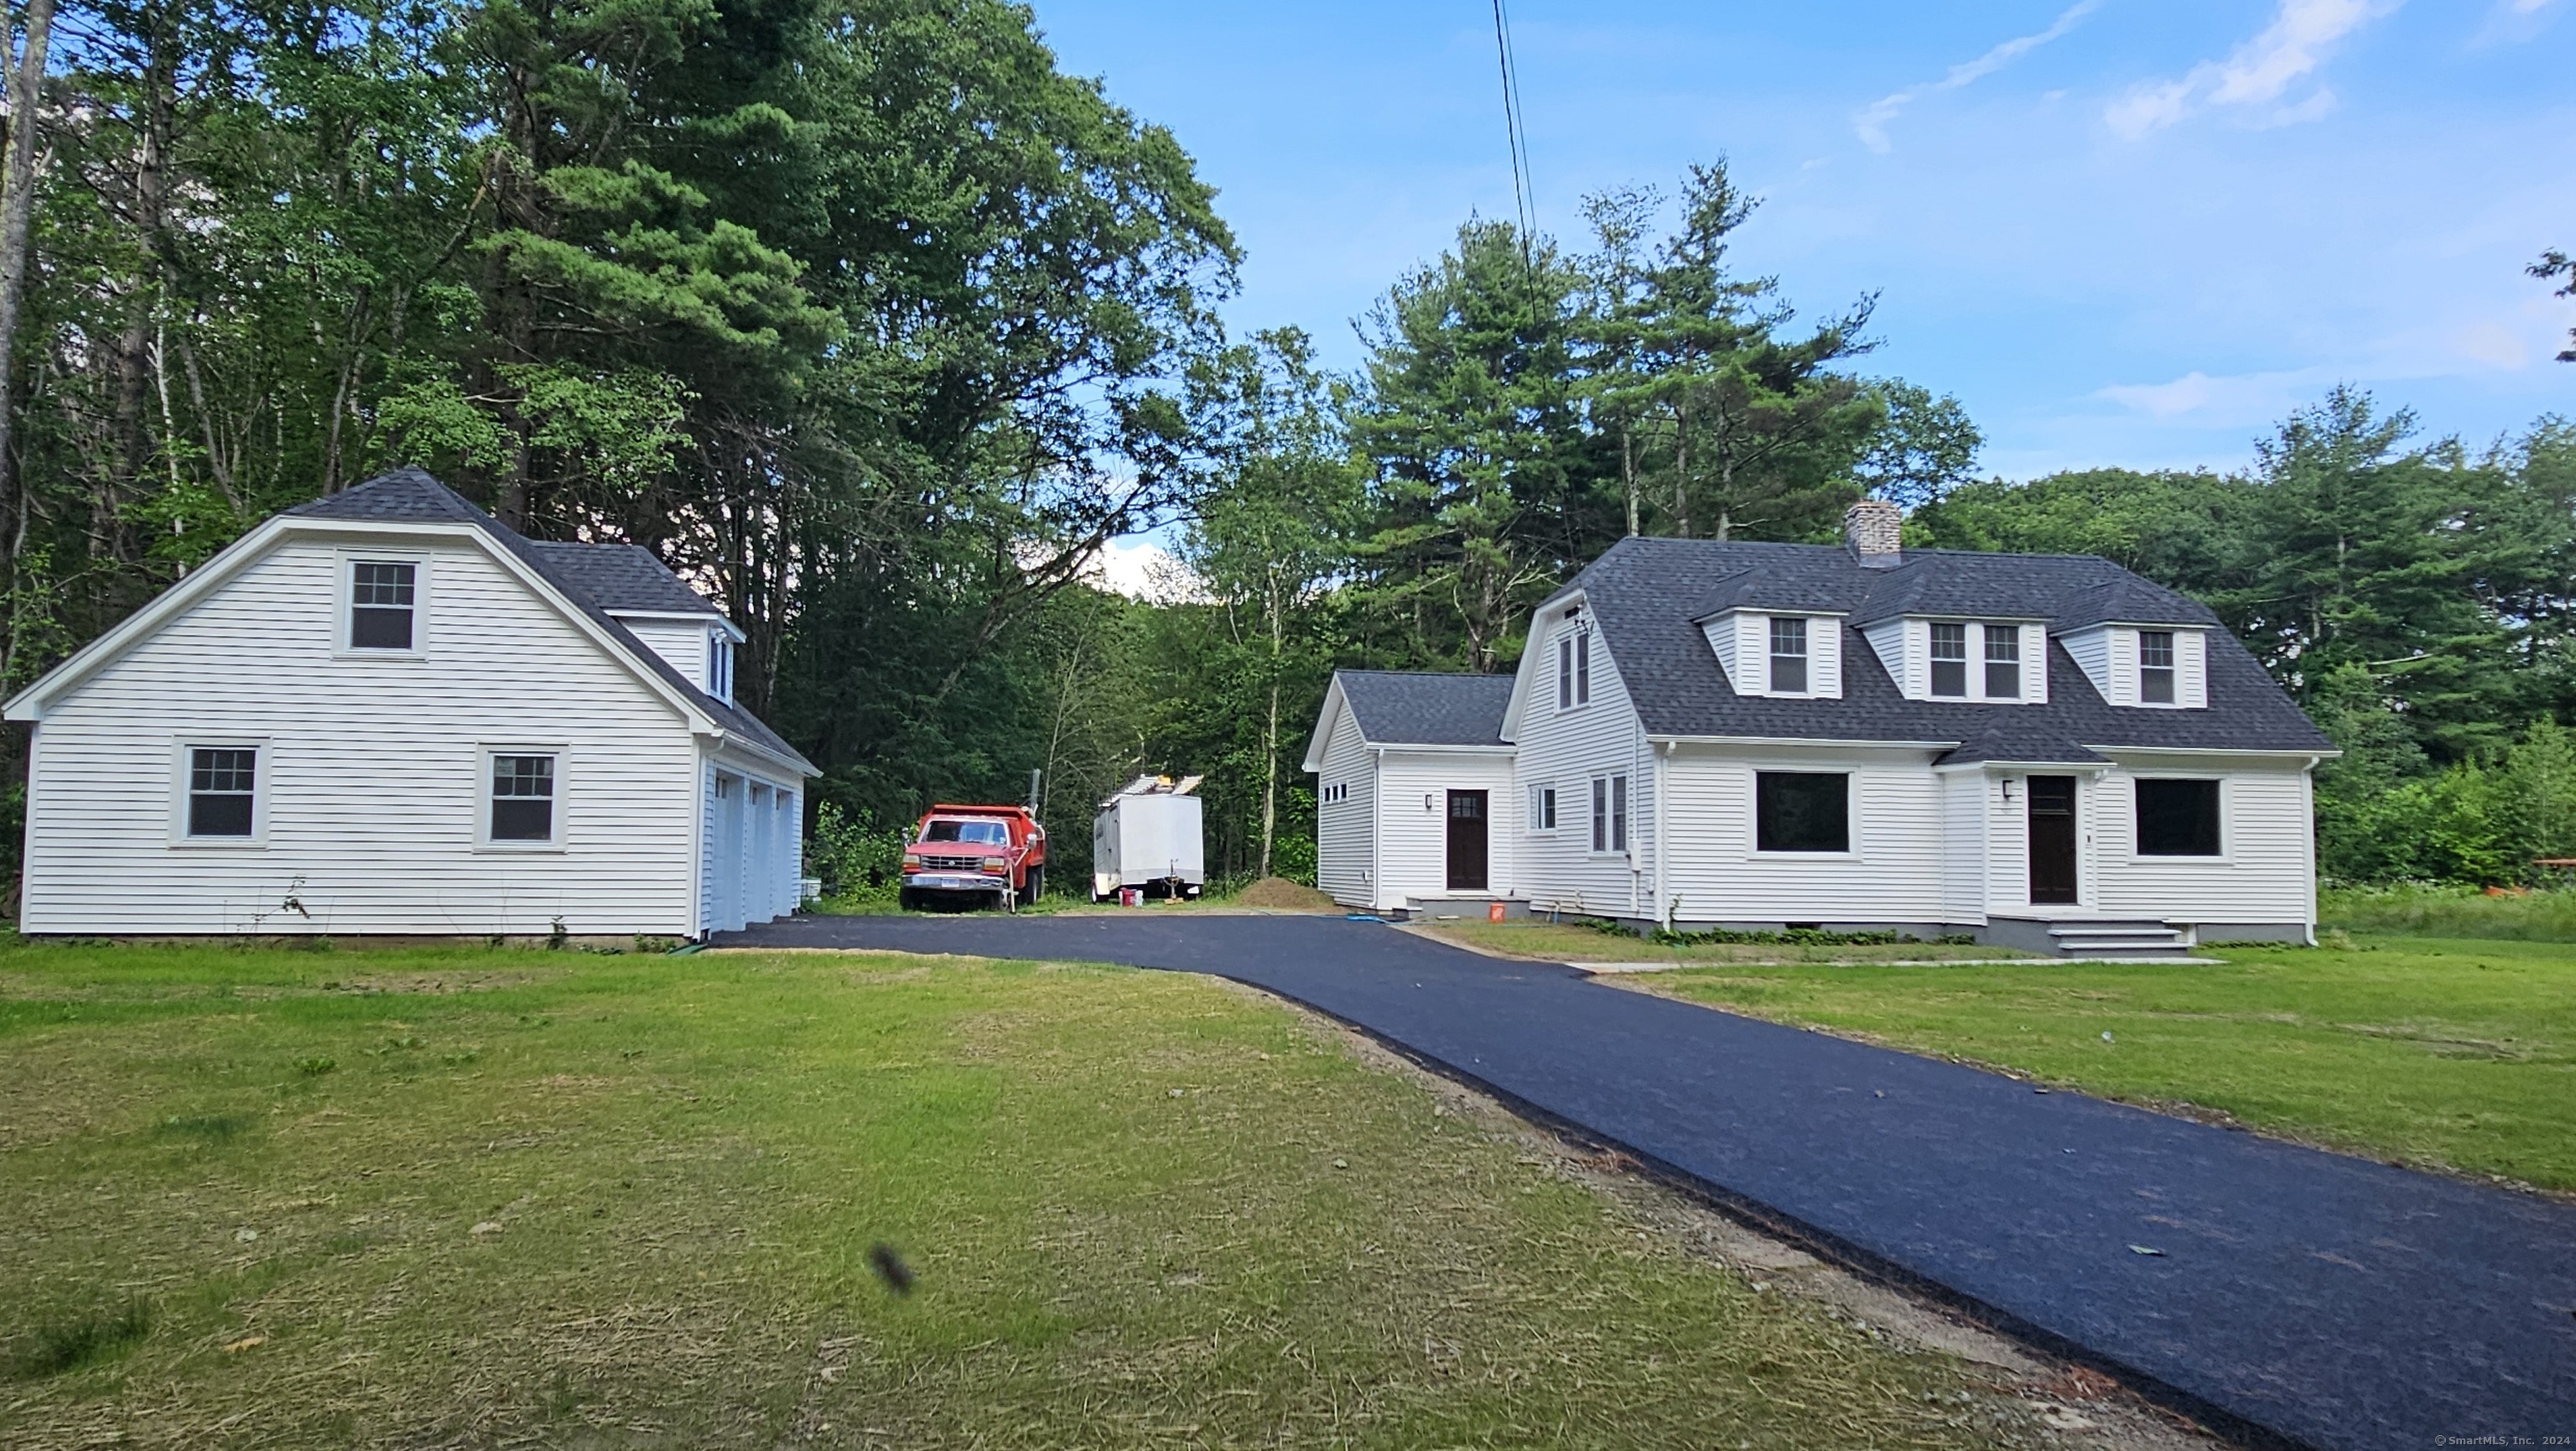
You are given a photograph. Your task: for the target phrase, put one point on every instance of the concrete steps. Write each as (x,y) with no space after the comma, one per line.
(2098,938)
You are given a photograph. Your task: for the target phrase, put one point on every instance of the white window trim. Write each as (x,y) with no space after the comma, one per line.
(344,592)
(1753,814)
(558,819)
(1614,822)
(2226,835)
(263,784)
(1530,804)
(2031,673)
(1574,665)
(2136,665)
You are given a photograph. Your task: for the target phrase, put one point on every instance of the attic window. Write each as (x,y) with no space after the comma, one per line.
(719,666)
(2156,667)
(1788,655)
(1574,669)
(381,598)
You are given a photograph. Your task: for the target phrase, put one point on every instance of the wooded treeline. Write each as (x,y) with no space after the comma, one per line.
(879,328)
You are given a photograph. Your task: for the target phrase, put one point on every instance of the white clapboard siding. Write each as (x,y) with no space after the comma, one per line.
(2091,651)
(1559,871)
(1345,866)
(1894,874)
(373,788)
(1965,798)
(2262,875)
(682,643)
(1413,818)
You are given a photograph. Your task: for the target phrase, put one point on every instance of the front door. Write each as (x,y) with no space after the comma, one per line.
(1466,841)
(2052,840)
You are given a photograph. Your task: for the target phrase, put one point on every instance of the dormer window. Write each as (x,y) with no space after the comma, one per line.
(2156,667)
(1788,655)
(719,666)
(382,595)
(1950,660)
(2003,662)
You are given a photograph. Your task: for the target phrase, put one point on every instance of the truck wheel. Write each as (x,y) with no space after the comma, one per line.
(907,900)
(1036,886)
(1004,899)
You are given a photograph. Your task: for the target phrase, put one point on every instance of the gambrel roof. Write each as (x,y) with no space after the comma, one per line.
(594,578)
(1648,595)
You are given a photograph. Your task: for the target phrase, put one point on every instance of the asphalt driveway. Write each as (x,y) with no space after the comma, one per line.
(2323,1299)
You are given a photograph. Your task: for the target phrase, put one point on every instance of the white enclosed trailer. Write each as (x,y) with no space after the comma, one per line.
(1148,837)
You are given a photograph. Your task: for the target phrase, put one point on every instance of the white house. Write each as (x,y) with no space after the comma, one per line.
(382,712)
(2044,750)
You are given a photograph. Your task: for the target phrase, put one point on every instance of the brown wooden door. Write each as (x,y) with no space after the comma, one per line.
(1466,841)
(2052,840)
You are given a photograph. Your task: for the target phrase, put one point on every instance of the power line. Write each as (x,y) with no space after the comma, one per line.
(1523,207)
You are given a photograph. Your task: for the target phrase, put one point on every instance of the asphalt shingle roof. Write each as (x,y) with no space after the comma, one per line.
(410,494)
(1647,593)
(624,578)
(1427,708)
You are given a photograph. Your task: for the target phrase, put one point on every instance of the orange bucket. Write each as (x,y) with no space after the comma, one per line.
(1493,911)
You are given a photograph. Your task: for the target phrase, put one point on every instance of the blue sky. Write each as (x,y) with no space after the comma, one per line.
(2121,231)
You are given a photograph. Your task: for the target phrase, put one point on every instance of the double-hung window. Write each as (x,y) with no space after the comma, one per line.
(223,791)
(1542,808)
(2156,667)
(1573,669)
(1950,660)
(521,806)
(383,595)
(2003,662)
(719,666)
(1609,813)
(1788,655)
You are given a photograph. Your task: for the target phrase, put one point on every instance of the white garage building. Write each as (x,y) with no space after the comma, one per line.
(384,713)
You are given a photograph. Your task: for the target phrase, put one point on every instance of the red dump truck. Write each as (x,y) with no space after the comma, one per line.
(974,856)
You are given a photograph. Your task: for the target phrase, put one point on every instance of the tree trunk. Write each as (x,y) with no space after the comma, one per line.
(1681,469)
(1270,739)
(18,210)
(1628,471)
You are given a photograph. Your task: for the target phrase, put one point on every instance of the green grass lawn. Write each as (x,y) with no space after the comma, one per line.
(269,1198)
(2457,1054)
(1566,942)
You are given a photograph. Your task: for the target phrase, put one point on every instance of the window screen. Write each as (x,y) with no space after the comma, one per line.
(2156,666)
(222,786)
(2177,818)
(1802,811)
(1789,656)
(380,606)
(2003,662)
(1950,660)
(523,798)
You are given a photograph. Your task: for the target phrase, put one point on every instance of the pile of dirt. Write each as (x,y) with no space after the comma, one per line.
(1281,894)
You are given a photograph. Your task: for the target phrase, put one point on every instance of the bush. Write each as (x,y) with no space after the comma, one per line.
(854,858)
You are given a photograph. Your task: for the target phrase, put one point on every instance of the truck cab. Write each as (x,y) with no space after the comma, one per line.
(974,856)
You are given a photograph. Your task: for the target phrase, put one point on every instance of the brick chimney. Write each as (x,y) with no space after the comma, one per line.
(1875,529)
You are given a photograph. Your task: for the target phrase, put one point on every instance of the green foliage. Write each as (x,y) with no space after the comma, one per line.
(853,858)
(85,1339)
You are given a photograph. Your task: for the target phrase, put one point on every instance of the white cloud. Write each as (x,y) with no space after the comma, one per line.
(1871,123)
(1142,569)
(2230,399)
(2256,73)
